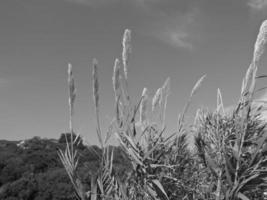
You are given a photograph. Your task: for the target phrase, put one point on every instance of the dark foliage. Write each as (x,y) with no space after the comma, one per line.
(31,170)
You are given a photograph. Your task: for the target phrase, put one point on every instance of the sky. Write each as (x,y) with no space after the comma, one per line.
(182,40)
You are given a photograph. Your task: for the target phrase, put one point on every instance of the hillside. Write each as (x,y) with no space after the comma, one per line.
(32,170)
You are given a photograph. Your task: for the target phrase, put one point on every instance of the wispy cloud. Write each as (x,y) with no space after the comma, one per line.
(171,22)
(257,4)
(177,31)
(168,21)
(177,38)
(174,35)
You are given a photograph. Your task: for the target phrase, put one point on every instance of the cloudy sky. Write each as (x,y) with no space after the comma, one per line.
(180,39)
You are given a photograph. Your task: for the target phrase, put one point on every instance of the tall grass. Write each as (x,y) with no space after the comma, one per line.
(229,156)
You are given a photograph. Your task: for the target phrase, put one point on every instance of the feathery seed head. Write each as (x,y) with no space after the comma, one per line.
(143,106)
(197,85)
(165,89)
(157,99)
(95,83)
(243,86)
(126,51)
(166,85)
(72,90)
(253,81)
(69,70)
(144,93)
(196,120)
(163,101)
(248,75)
(116,77)
(260,43)
(249,80)
(118,114)
(220,108)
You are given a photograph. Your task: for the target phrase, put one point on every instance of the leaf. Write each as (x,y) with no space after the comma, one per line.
(235,151)
(130,147)
(228,175)
(242,196)
(260,143)
(245,181)
(261,76)
(93,188)
(212,165)
(156,183)
(151,192)
(100,185)
(260,89)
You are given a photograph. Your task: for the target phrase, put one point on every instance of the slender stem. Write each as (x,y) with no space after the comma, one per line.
(71,133)
(99,134)
(245,123)
(218,190)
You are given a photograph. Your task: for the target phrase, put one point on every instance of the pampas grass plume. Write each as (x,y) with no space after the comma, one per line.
(220,107)
(165,91)
(95,83)
(157,99)
(197,85)
(116,78)
(260,43)
(126,51)
(72,96)
(248,84)
(72,90)
(197,115)
(143,106)
(163,100)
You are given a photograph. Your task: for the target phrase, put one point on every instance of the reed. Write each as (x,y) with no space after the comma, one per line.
(228,160)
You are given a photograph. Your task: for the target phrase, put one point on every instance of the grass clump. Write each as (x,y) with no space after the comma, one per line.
(227,162)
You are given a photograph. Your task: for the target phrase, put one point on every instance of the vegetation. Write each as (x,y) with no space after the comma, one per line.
(31,169)
(226,162)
